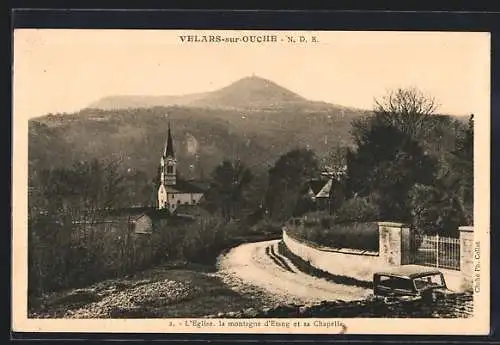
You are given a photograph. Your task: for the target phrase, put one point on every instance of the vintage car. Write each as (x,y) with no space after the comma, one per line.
(409,283)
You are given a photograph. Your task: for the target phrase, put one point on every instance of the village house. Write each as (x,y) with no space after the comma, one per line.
(324,192)
(139,220)
(318,190)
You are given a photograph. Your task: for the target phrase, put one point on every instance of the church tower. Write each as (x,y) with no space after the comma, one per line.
(168,174)
(169,161)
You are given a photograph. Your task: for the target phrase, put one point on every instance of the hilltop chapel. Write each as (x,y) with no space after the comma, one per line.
(173,192)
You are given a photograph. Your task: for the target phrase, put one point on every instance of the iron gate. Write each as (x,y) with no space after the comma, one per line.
(438,251)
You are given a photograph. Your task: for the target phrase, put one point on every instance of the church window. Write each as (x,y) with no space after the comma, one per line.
(170,169)
(178,202)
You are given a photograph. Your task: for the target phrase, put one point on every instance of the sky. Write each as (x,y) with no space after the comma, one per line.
(60,70)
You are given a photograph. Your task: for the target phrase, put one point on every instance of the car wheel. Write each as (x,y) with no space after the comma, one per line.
(430,297)
(371,298)
(390,300)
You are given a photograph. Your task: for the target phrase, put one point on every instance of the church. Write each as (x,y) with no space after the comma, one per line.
(173,191)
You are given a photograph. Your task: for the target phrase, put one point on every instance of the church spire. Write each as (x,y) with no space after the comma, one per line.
(169,147)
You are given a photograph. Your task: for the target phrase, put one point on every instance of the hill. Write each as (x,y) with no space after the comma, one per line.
(249,93)
(252,119)
(203,137)
(142,101)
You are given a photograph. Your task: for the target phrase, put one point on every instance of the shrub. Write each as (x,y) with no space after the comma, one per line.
(266,226)
(435,211)
(310,223)
(318,218)
(362,236)
(357,209)
(202,240)
(358,235)
(304,205)
(66,256)
(326,222)
(469,214)
(315,235)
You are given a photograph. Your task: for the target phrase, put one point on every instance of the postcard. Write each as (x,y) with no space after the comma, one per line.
(183,181)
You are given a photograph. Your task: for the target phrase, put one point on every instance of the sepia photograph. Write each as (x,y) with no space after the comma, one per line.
(251,181)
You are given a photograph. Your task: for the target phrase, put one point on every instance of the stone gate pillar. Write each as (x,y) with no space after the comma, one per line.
(394,243)
(466,256)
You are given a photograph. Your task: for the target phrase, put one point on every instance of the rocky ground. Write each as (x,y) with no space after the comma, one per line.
(175,290)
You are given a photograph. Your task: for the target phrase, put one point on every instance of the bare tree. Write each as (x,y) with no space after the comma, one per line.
(408,109)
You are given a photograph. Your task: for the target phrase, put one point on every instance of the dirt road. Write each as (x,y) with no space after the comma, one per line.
(253,265)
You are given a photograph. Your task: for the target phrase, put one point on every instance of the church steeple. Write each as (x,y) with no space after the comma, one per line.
(168,174)
(168,162)
(169,146)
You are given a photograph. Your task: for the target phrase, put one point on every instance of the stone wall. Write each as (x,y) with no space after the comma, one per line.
(394,250)
(336,262)
(391,244)
(466,256)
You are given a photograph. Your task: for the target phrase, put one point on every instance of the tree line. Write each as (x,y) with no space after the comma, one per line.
(408,164)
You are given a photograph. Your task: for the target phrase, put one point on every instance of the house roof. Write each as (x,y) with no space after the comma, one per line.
(191,210)
(325,191)
(320,187)
(313,185)
(202,185)
(183,186)
(119,213)
(125,214)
